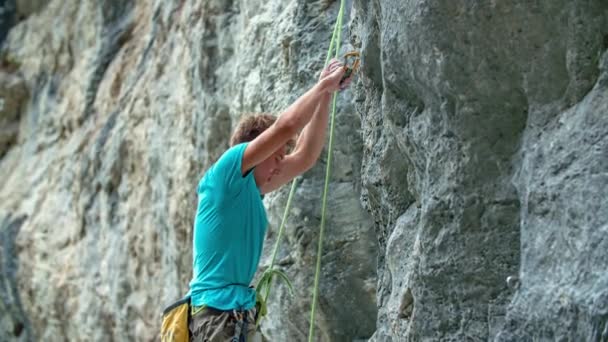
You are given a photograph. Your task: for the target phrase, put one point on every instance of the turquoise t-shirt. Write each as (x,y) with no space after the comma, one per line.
(229,231)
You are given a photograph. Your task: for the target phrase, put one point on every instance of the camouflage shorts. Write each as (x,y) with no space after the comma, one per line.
(210,325)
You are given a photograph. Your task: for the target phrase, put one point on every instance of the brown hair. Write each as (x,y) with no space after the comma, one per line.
(250,126)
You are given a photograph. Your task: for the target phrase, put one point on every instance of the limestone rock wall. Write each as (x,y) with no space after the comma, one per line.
(112,112)
(473,147)
(485,130)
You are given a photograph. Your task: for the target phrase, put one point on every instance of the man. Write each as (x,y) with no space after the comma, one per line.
(230,221)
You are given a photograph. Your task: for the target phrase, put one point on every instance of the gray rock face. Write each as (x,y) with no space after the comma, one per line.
(25,8)
(485,132)
(13,95)
(126,104)
(562,184)
(7,17)
(472,149)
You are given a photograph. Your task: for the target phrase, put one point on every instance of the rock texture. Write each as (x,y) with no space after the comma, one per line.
(485,130)
(472,148)
(109,120)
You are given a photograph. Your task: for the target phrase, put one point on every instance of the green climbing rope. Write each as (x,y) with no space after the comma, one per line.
(336,37)
(266,280)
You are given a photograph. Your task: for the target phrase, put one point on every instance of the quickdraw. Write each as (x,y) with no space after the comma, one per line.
(356,60)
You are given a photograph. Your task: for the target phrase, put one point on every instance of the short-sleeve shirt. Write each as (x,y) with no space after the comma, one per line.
(229,230)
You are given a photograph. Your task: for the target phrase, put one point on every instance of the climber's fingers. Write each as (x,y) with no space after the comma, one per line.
(346,83)
(331,66)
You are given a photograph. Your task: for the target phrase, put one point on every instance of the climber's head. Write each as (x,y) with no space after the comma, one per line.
(250,126)
(248,129)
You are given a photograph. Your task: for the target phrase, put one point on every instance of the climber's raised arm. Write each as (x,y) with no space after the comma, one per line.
(310,142)
(289,124)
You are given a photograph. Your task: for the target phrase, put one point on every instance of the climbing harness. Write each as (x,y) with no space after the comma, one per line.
(266,281)
(240,328)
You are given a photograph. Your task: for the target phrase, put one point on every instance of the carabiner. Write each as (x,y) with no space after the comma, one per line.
(350,68)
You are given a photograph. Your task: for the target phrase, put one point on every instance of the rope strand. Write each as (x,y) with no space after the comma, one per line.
(336,37)
(335,40)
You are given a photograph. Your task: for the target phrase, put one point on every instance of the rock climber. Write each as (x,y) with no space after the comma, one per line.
(230,222)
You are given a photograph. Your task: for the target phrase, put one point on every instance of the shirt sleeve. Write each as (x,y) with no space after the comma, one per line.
(227,170)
